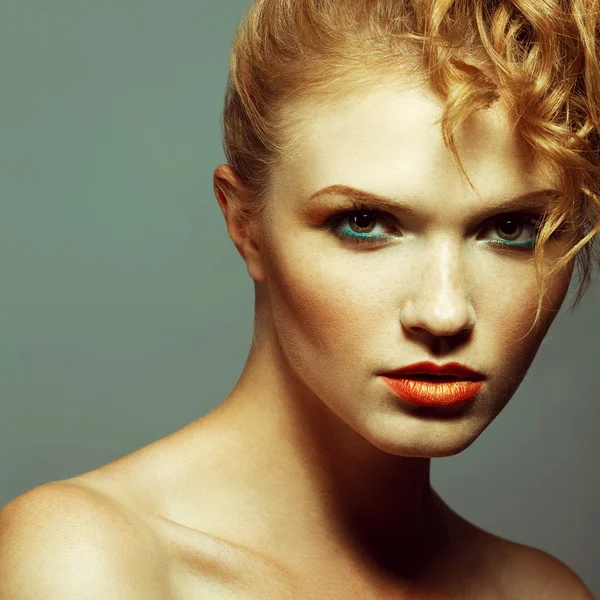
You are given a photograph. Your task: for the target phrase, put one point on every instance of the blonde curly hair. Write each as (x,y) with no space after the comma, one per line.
(541,57)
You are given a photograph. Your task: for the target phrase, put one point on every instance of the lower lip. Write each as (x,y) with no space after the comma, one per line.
(433,393)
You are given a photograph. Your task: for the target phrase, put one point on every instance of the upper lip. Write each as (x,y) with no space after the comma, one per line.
(428,368)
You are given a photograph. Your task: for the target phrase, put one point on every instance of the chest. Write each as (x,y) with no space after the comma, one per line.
(257,581)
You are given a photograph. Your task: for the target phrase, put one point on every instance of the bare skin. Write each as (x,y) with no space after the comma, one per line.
(311,479)
(209,557)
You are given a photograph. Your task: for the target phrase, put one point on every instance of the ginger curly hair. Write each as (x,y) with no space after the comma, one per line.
(540,57)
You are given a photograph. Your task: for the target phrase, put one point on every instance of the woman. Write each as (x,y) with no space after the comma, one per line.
(410,185)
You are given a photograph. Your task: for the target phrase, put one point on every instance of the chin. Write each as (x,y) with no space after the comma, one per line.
(435,451)
(433,443)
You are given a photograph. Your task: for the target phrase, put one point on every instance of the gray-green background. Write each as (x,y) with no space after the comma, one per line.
(126,311)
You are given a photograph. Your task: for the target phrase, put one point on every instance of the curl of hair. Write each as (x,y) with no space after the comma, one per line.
(540,57)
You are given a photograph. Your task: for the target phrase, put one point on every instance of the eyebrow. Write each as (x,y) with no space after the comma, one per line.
(533,199)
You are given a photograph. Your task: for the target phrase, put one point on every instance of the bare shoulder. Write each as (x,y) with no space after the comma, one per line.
(527,572)
(533,573)
(63,540)
(514,571)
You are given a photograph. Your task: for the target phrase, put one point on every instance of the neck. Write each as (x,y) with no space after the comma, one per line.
(330,492)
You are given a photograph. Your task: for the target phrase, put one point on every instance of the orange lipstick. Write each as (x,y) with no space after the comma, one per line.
(426,392)
(430,384)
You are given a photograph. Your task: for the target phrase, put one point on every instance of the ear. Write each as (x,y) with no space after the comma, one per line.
(230,193)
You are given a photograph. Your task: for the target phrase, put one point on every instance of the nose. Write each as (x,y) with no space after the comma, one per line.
(438,302)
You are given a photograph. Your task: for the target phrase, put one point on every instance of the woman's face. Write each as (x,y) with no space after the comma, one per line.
(450,277)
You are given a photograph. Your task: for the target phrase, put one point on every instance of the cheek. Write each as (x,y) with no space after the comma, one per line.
(334,310)
(509,316)
(318,302)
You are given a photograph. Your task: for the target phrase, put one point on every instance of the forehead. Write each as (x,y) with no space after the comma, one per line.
(389,140)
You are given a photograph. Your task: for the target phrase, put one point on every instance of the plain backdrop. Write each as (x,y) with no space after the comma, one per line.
(126,311)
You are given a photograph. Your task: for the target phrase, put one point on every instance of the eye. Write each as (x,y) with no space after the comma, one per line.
(360,225)
(365,224)
(515,229)
(363,221)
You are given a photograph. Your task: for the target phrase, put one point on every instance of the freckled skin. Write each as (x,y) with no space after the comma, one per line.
(331,450)
(357,311)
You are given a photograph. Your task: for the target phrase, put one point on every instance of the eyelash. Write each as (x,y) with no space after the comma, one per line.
(337,218)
